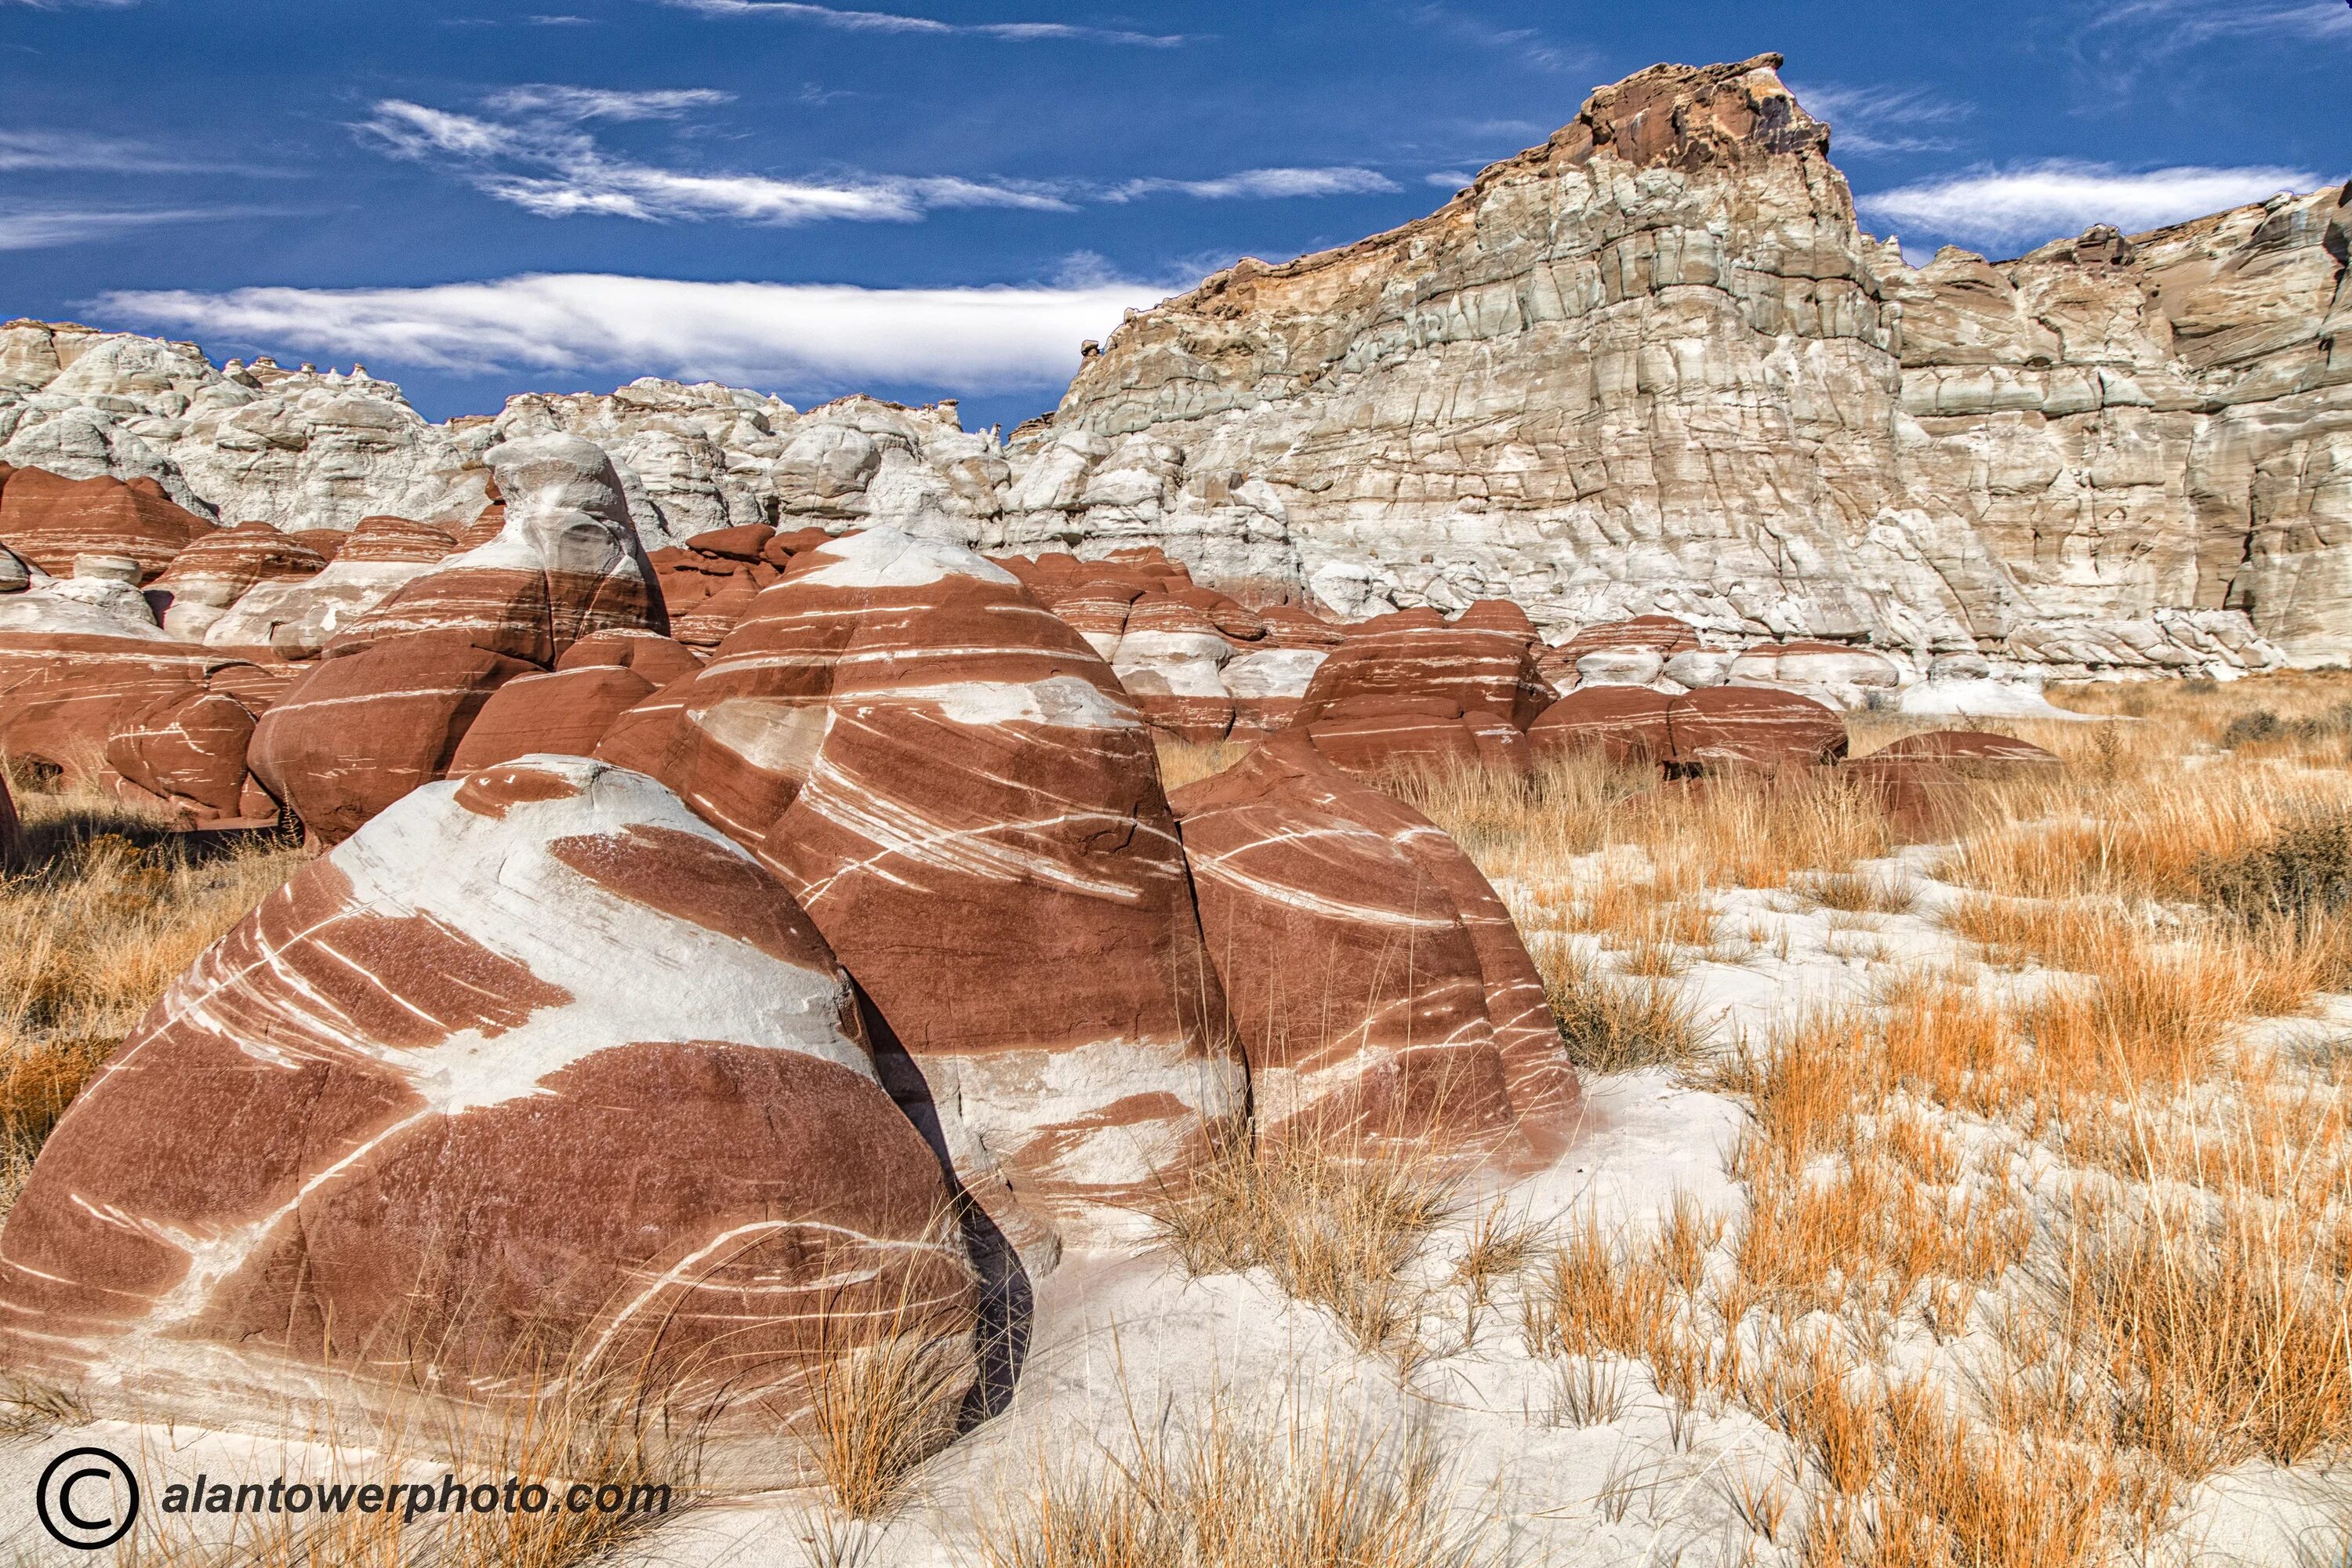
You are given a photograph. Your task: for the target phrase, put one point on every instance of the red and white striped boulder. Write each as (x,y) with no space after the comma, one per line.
(77,657)
(1719,727)
(212,574)
(1375,735)
(295,618)
(582,704)
(1377,984)
(565,565)
(1483,662)
(968,806)
(1171,661)
(1660,636)
(49,519)
(538,1071)
(1626,724)
(390,705)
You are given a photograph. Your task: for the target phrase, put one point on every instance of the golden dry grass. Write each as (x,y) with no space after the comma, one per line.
(1226,1487)
(1335,1224)
(2114,1229)
(107,909)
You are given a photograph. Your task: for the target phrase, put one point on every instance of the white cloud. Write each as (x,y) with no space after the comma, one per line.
(1522,43)
(550,169)
(1262,184)
(2047,201)
(801,338)
(85,152)
(577,104)
(36,228)
(2183,24)
(1880,119)
(894,22)
(1448,181)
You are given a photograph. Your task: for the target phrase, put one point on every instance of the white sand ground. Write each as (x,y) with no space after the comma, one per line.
(1128,1344)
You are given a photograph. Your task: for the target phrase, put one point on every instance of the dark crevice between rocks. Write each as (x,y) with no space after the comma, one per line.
(1007,1298)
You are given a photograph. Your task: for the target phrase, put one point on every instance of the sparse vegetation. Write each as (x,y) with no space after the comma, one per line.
(1226,1487)
(107,908)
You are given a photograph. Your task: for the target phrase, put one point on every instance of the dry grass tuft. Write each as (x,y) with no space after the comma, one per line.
(883,1399)
(1217,1489)
(1612,1026)
(1335,1225)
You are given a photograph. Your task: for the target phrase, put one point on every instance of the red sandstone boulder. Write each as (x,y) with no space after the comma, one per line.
(360,732)
(1976,754)
(1483,662)
(1377,984)
(1718,727)
(565,712)
(188,749)
(49,520)
(968,807)
(1627,724)
(537,1070)
(1373,735)
(657,657)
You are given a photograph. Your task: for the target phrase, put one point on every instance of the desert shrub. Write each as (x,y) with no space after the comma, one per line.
(2303,871)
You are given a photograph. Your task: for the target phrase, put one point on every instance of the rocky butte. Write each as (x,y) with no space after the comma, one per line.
(1652,366)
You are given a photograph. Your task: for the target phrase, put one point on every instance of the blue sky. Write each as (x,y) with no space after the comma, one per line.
(942,198)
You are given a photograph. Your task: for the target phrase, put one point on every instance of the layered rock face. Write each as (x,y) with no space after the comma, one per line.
(538,1070)
(1654,365)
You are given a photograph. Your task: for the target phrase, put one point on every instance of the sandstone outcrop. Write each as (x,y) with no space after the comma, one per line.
(1377,985)
(397,691)
(1653,365)
(212,575)
(536,1070)
(954,786)
(49,521)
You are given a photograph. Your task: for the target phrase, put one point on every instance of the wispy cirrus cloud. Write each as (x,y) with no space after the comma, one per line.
(794,337)
(2034,202)
(2184,24)
(1526,44)
(1260,184)
(33,228)
(895,22)
(83,152)
(581,103)
(1882,120)
(530,150)
(545,165)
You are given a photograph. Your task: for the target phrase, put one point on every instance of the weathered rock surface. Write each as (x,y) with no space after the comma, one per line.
(391,702)
(539,1064)
(956,789)
(49,521)
(1654,365)
(1377,986)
